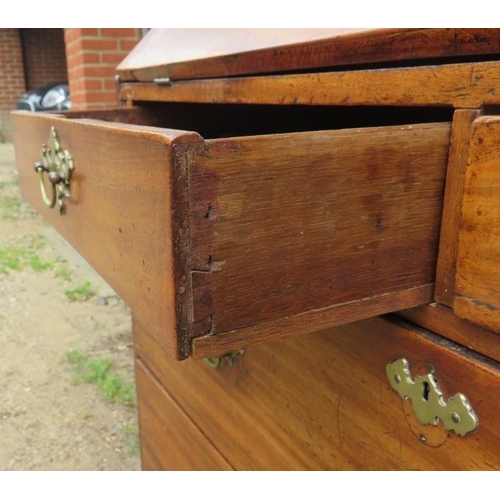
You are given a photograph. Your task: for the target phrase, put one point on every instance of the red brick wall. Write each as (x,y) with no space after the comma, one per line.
(44,56)
(12,83)
(92,55)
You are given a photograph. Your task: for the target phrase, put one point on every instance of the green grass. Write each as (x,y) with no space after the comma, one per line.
(30,255)
(63,271)
(133,447)
(38,264)
(87,414)
(14,207)
(10,207)
(80,292)
(19,257)
(98,370)
(12,259)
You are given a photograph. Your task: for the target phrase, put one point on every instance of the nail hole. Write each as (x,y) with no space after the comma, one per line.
(208,214)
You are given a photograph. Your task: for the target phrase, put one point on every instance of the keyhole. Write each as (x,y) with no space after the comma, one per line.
(425,390)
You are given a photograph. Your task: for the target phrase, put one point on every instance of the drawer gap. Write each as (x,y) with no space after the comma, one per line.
(213,121)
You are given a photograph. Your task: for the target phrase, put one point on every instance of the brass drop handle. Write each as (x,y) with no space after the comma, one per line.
(58,165)
(54,178)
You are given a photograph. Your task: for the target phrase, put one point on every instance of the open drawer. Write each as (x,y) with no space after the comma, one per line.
(250,227)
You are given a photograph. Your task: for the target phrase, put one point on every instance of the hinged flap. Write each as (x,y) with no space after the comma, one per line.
(181,54)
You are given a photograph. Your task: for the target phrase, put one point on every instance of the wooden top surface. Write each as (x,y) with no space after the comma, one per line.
(182,54)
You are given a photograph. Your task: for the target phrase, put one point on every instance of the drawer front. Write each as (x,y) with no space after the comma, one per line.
(224,243)
(119,214)
(478,262)
(169,440)
(324,401)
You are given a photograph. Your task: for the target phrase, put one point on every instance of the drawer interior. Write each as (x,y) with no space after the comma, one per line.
(213,121)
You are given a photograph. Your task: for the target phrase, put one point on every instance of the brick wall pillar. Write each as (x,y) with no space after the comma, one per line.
(12,84)
(92,55)
(44,56)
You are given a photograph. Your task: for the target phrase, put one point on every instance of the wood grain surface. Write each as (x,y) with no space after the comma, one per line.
(478,261)
(205,53)
(323,401)
(296,223)
(121,216)
(169,439)
(442,320)
(452,205)
(461,85)
(279,225)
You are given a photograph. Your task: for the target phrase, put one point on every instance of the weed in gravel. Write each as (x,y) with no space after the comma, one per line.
(80,292)
(18,257)
(98,370)
(14,207)
(132,433)
(9,207)
(63,271)
(11,259)
(87,415)
(38,265)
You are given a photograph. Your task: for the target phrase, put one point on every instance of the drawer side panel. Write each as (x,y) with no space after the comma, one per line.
(284,225)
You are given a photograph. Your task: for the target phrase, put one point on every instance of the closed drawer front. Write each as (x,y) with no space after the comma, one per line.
(169,439)
(478,262)
(324,401)
(225,242)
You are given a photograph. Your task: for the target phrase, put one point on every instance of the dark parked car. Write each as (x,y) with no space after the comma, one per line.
(47,98)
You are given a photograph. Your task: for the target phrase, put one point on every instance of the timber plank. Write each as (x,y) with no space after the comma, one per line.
(206,53)
(455,177)
(168,437)
(462,85)
(323,401)
(295,223)
(478,261)
(442,320)
(119,216)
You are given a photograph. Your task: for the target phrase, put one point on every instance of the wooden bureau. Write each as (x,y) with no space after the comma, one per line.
(310,216)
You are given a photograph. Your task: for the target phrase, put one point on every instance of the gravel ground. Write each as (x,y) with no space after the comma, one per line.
(48,419)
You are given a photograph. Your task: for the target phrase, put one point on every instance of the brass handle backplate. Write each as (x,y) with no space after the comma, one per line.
(230,359)
(58,165)
(428,402)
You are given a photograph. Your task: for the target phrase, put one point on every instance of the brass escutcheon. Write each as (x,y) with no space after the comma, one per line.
(428,402)
(58,165)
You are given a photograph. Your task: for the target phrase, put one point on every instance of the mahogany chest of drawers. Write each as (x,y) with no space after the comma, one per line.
(312,217)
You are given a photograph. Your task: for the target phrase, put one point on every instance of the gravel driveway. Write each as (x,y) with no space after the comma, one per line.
(57,317)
